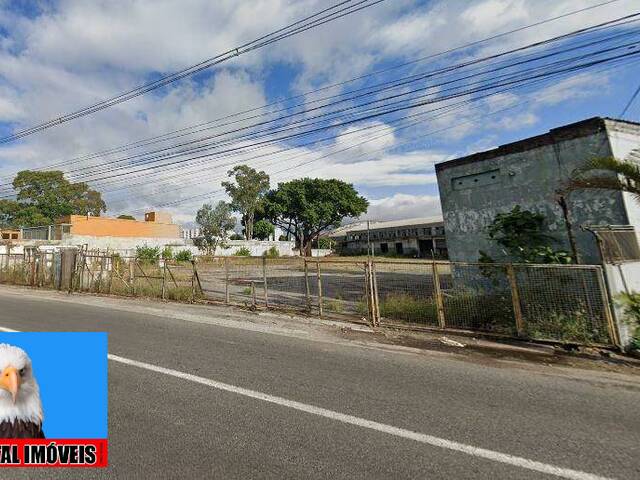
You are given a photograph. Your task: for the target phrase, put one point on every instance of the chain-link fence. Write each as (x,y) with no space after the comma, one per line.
(552,302)
(565,303)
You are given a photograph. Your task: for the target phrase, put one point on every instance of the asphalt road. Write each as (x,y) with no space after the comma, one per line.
(162,426)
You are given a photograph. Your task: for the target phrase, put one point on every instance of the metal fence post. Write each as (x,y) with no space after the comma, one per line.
(164,279)
(132,275)
(437,291)
(306,283)
(318,273)
(112,265)
(100,278)
(612,328)
(194,276)
(264,280)
(376,302)
(515,298)
(33,269)
(226,280)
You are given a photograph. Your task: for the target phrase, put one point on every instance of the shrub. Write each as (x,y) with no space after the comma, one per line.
(148,254)
(184,256)
(271,253)
(236,236)
(167,253)
(117,262)
(631,308)
(243,252)
(574,327)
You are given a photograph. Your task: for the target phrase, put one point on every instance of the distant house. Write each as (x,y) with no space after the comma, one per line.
(530,173)
(415,237)
(10,234)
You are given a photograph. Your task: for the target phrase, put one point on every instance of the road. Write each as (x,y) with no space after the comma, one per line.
(193,405)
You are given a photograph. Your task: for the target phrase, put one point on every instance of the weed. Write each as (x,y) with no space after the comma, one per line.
(335,305)
(401,306)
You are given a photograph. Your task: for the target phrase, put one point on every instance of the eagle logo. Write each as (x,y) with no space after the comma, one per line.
(20,406)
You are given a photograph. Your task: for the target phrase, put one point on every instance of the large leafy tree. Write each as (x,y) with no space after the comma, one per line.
(42,197)
(215,223)
(53,196)
(246,192)
(307,207)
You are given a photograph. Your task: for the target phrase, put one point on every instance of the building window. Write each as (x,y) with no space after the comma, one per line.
(384,247)
(5,236)
(399,249)
(14,236)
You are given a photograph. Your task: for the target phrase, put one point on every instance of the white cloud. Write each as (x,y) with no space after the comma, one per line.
(580,86)
(401,206)
(78,52)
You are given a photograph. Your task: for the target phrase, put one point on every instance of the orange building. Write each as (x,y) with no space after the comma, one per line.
(156,225)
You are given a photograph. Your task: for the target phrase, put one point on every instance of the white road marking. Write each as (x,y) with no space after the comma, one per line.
(484,453)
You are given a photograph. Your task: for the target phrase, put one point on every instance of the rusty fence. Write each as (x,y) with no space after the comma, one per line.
(563,303)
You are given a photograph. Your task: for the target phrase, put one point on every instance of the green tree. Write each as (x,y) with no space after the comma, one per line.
(9,209)
(126,217)
(523,238)
(307,207)
(262,230)
(215,223)
(246,193)
(54,196)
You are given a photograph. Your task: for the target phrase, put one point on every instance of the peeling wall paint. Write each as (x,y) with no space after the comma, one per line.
(529,173)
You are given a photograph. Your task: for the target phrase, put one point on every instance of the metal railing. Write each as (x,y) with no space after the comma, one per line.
(563,303)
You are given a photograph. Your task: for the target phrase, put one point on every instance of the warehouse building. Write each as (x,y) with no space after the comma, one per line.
(416,237)
(531,173)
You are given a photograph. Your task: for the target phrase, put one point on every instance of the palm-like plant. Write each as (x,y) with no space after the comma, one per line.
(597,174)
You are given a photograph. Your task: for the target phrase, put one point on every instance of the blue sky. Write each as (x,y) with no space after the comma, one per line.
(57,56)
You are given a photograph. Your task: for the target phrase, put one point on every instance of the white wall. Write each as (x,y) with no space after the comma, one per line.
(624,277)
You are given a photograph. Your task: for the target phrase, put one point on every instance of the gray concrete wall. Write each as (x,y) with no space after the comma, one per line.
(529,178)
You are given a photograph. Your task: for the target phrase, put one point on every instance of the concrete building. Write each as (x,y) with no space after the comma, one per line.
(89,226)
(529,173)
(416,237)
(10,234)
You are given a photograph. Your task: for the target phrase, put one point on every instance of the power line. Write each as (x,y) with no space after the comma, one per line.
(159,138)
(264,155)
(394,84)
(280,34)
(508,83)
(630,102)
